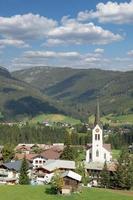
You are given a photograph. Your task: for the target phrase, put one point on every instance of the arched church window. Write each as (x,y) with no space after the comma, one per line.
(97,153)
(105,156)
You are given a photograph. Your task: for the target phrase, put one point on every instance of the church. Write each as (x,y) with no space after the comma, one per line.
(98,152)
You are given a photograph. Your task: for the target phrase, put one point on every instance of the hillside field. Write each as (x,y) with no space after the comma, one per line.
(40,193)
(115,120)
(54,118)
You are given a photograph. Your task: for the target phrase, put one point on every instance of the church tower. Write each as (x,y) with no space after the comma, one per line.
(97,137)
(97,151)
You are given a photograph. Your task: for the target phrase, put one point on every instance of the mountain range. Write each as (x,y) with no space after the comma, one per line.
(37,90)
(75,90)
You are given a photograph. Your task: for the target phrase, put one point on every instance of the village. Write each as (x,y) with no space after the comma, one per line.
(45,161)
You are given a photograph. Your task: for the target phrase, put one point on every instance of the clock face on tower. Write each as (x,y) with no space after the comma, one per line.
(97,130)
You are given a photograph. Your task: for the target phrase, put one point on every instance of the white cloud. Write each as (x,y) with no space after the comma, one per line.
(51,54)
(98,50)
(30,28)
(26,27)
(60,59)
(71,59)
(113,12)
(130,53)
(12,42)
(74,32)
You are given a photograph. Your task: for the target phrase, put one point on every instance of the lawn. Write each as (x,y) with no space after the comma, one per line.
(39,193)
(55,118)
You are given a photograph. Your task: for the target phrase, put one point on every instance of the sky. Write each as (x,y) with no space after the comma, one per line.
(66,33)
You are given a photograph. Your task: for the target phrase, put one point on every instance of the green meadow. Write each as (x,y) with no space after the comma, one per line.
(54,118)
(115,120)
(42,193)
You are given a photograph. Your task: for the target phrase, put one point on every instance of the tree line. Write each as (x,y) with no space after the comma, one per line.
(38,134)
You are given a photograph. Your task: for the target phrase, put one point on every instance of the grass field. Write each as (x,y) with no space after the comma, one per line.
(54,118)
(115,119)
(39,193)
(115,153)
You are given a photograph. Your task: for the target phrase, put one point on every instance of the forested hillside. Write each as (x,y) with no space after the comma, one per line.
(19,99)
(75,90)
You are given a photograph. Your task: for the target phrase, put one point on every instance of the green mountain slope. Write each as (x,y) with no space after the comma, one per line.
(19,99)
(75,90)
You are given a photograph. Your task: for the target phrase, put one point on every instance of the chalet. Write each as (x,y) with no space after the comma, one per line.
(45,172)
(71,182)
(9,172)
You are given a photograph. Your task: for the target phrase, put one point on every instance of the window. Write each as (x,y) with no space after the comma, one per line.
(98,136)
(105,156)
(97,153)
(90,156)
(95,136)
(36,161)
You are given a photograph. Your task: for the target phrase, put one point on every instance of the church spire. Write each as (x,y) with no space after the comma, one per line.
(97,114)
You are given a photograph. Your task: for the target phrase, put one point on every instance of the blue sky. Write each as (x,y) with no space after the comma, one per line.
(72,33)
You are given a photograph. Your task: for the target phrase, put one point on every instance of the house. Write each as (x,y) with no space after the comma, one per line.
(62,165)
(71,181)
(23,148)
(38,161)
(9,172)
(97,151)
(29,157)
(44,173)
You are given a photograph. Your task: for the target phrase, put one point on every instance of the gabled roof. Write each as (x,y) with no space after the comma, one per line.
(72,175)
(105,146)
(52,165)
(53,153)
(15,165)
(99,166)
(28,157)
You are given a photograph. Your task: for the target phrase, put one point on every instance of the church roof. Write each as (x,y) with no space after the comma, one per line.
(97,115)
(105,146)
(99,166)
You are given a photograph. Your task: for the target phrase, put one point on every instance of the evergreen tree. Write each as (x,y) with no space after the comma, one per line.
(105,177)
(7,153)
(124,171)
(23,178)
(69,152)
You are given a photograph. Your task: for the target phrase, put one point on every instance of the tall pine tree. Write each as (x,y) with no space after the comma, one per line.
(23,178)
(105,177)
(124,171)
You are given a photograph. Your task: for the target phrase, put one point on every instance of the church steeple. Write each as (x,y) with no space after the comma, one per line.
(97,114)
